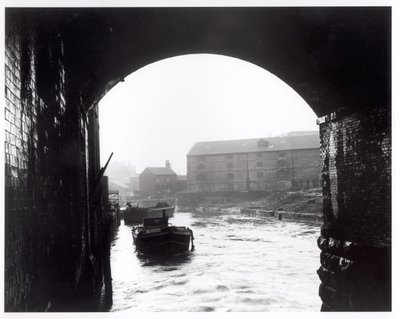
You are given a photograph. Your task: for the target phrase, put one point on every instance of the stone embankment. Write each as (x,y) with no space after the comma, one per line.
(299,205)
(282,215)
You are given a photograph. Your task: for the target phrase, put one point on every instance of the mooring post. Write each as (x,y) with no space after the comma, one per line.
(107,231)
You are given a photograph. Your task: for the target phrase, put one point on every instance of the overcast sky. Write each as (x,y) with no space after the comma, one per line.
(162,109)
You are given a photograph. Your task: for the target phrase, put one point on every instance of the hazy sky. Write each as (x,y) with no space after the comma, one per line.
(161,110)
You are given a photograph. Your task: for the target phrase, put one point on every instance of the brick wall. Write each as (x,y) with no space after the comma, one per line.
(21,142)
(356,236)
(46,176)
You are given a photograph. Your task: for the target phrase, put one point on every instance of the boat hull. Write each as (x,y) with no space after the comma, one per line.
(168,241)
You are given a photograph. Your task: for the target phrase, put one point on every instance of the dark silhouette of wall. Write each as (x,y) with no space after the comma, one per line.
(49,228)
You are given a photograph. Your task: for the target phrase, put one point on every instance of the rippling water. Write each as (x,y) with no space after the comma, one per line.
(240,263)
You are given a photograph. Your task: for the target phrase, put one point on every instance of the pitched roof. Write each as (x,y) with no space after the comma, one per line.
(277,143)
(159,171)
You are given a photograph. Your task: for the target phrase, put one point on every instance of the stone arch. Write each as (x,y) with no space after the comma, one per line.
(323,54)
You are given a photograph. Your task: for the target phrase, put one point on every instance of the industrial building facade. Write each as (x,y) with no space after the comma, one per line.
(287,161)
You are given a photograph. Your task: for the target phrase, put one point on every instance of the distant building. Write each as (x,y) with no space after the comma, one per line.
(181,183)
(157,180)
(134,183)
(124,190)
(281,162)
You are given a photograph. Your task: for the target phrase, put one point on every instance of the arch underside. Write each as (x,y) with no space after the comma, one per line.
(333,57)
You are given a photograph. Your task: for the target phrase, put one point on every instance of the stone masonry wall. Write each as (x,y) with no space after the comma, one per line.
(46,177)
(355,240)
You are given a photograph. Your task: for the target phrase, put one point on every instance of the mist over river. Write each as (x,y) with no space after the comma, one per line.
(240,263)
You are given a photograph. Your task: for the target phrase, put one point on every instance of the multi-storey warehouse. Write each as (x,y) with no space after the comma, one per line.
(281,162)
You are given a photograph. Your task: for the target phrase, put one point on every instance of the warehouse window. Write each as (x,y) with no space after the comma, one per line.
(230,175)
(282,174)
(281,155)
(282,163)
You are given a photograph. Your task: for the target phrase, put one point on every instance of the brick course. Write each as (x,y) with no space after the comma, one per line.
(356,235)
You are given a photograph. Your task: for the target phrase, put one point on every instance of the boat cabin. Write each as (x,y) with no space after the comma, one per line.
(155,222)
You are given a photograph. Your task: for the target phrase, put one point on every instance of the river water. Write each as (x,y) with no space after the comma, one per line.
(240,263)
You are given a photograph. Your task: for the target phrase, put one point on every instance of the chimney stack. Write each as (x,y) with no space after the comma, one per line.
(167,164)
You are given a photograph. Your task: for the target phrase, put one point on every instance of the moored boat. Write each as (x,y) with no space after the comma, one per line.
(137,211)
(157,237)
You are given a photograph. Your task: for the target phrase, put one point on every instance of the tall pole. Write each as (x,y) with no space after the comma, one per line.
(292,169)
(247,170)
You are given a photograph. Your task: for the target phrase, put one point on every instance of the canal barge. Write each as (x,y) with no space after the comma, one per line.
(135,212)
(157,237)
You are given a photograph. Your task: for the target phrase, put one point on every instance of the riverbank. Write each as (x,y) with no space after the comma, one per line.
(296,205)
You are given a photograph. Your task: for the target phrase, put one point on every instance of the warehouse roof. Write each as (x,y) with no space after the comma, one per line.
(159,171)
(304,140)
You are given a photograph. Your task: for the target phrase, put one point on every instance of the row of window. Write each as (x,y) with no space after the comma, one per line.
(167,180)
(282,174)
(202,158)
(314,183)
(306,184)
(280,163)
